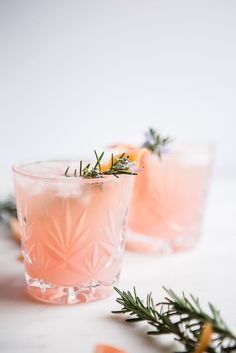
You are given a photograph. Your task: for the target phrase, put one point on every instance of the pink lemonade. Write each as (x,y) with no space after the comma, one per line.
(168,200)
(72,230)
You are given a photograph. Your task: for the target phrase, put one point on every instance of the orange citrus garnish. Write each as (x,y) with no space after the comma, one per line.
(104,348)
(130,151)
(205,339)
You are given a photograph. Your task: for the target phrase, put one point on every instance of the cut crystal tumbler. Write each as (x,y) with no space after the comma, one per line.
(72,231)
(168,200)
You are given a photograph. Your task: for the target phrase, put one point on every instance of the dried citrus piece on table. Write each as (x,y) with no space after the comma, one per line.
(104,348)
(205,339)
(20,258)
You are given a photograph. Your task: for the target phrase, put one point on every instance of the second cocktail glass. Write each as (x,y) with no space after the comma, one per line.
(168,200)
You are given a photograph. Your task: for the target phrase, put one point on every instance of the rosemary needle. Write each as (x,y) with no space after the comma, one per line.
(80,168)
(66,171)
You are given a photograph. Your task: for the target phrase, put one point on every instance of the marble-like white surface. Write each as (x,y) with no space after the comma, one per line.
(208,271)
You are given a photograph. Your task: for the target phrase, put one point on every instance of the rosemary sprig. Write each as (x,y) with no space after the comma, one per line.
(119,165)
(8,207)
(180,316)
(155,142)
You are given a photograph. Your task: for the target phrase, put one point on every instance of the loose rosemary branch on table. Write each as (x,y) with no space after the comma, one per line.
(181,316)
(8,207)
(155,142)
(119,165)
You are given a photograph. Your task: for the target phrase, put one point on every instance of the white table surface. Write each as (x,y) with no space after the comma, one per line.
(208,272)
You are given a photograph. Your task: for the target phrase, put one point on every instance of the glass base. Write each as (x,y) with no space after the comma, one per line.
(157,245)
(54,294)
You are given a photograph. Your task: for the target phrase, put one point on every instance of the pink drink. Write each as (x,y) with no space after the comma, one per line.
(72,229)
(168,200)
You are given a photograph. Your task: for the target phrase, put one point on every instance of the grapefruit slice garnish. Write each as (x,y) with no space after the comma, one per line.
(132,153)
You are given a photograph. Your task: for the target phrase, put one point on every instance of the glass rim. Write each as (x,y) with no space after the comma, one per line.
(16,168)
(208,149)
(194,145)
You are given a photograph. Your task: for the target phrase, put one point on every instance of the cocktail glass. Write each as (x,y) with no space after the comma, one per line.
(168,200)
(72,231)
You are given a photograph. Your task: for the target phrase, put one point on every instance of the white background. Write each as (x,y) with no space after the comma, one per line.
(78,75)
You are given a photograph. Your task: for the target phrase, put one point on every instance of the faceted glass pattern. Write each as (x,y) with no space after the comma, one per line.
(73,234)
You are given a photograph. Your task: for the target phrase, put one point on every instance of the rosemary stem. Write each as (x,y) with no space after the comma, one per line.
(80,168)
(180,316)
